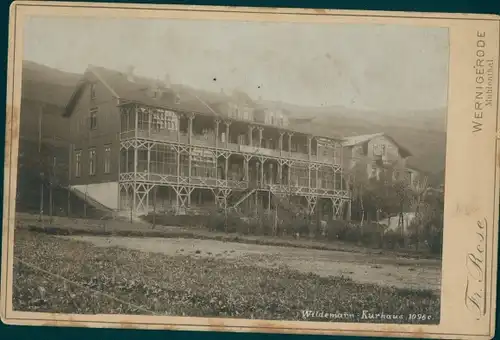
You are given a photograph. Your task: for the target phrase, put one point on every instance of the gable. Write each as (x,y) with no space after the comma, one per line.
(83,103)
(390,144)
(102,89)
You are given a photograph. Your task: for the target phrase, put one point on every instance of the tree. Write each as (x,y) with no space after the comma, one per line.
(428,205)
(357,181)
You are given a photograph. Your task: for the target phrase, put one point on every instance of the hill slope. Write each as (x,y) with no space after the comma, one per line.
(422,132)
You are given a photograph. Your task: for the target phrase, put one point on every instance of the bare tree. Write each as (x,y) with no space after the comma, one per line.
(357,180)
(420,207)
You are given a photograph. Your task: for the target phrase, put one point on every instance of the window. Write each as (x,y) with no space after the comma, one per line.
(379,149)
(177,99)
(241,139)
(92,91)
(107,159)
(92,161)
(93,118)
(162,120)
(78,163)
(396,175)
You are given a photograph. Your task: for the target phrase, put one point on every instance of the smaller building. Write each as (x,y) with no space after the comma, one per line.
(378,151)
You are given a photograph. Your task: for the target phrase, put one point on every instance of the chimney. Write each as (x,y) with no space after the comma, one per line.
(130,73)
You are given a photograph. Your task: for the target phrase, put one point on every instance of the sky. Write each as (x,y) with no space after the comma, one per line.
(357,66)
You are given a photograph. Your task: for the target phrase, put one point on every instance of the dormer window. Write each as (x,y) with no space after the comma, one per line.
(177,99)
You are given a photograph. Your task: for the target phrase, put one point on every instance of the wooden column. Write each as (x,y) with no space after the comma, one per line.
(280,143)
(317,177)
(250,135)
(190,136)
(260,136)
(317,150)
(245,168)
(178,126)
(148,168)
(217,122)
(149,122)
(269,202)
(227,134)
(227,167)
(334,179)
(190,128)
(262,172)
(342,165)
(190,151)
(135,160)
(280,172)
(309,147)
(309,175)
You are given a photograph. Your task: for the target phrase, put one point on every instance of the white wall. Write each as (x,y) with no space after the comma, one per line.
(392,223)
(104,193)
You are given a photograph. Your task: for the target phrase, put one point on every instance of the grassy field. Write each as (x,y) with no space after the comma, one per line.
(91,279)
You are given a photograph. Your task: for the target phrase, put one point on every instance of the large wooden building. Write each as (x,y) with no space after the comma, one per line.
(139,143)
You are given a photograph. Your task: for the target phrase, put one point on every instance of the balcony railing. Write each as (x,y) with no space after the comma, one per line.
(204,182)
(182,180)
(209,141)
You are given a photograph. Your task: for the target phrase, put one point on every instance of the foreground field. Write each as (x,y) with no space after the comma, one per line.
(107,279)
(363,268)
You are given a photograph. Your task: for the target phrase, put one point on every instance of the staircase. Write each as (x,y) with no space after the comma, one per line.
(242,197)
(91,201)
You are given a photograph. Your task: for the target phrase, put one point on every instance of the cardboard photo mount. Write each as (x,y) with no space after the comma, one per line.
(469,260)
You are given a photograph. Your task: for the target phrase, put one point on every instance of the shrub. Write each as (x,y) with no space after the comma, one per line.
(352,233)
(393,240)
(171,219)
(435,242)
(336,230)
(216,222)
(299,226)
(372,235)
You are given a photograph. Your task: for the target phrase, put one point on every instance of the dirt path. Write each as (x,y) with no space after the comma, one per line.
(378,269)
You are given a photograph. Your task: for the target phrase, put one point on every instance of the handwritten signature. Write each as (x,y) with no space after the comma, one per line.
(475,289)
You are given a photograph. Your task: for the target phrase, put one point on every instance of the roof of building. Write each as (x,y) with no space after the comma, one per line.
(139,90)
(361,139)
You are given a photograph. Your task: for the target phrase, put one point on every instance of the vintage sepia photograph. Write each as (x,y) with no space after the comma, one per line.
(239,169)
(234,173)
